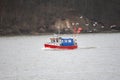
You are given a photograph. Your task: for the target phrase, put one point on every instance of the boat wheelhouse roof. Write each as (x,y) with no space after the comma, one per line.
(66,38)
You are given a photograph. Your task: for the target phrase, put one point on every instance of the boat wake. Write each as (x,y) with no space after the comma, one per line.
(46,48)
(50,49)
(86,47)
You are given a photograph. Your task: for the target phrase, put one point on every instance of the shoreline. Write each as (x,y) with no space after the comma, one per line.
(37,34)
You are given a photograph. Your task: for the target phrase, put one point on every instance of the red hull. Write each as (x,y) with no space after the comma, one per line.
(60,47)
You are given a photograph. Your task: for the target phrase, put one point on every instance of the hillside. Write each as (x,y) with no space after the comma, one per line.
(43,16)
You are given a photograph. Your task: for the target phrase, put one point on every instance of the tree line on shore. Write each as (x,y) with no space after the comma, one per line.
(40,16)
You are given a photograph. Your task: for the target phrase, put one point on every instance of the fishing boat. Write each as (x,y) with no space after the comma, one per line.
(63,42)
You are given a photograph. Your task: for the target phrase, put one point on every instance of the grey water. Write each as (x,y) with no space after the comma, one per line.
(25,58)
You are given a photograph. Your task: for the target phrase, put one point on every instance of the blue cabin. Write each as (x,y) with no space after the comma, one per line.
(67,42)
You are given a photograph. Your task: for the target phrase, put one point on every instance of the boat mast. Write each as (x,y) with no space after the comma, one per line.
(58,29)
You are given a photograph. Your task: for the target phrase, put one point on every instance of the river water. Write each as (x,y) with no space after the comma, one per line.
(24,58)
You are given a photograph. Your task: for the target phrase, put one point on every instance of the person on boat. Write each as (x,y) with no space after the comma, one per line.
(52,40)
(57,40)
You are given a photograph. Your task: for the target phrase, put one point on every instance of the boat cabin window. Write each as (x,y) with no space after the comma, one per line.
(69,41)
(66,41)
